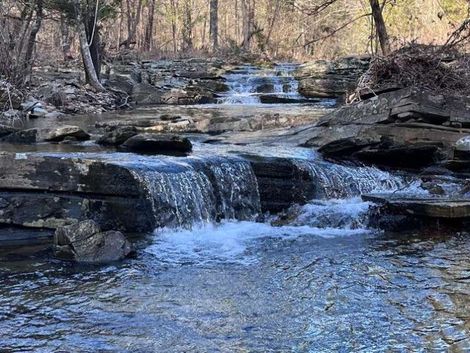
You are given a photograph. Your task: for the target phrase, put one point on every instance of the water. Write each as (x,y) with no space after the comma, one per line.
(212,279)
(200,191)
(287,291)
(253,85)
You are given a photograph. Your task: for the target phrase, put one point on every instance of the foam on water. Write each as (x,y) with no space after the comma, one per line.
(229,241)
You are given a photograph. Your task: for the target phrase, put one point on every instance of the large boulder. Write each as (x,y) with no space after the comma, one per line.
(66,132)
(158,143)
(85,242)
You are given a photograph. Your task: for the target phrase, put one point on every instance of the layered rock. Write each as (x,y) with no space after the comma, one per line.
(324,78)
(158,143)
(407,128)
(176,82)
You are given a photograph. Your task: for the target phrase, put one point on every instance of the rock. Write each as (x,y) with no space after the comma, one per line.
(6,130)
(63,132)
(462,149)
(422,207)
(85,242)
(38,112)
(323,78)
(21,137)
(404,129)
(274,99)
(156,143)
(117,136)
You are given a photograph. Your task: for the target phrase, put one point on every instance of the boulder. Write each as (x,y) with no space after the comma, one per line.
(158,143)
(85,242)
(462,148)
(118,136)
(64,132)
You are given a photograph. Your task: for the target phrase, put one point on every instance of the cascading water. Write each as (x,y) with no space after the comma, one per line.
(253,85)
(201,191)
(334,181)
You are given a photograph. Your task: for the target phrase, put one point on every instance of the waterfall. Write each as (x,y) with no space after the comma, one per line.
(249,85)
(200,191)
(335,181)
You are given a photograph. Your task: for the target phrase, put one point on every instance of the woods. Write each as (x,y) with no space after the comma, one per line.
(44,29)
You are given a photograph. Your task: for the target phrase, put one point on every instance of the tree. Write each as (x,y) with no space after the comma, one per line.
(187,26)
(214,24)
(380,26)
(90,69)
(149,28)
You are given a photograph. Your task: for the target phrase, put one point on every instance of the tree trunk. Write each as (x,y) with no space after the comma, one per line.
(187,26)
(149,28)
(90,69)
(214,24)
(248,14)
(32,38)
(380,26)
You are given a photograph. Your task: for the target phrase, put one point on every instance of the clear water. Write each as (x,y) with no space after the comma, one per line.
(248,83)
(322,282)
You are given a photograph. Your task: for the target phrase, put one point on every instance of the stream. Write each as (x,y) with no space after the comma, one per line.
(223,277)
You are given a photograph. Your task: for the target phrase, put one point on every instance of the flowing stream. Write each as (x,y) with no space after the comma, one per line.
(253,85)
(219,276)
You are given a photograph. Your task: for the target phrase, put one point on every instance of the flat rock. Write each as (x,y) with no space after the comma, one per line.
(157,143)
(423,207)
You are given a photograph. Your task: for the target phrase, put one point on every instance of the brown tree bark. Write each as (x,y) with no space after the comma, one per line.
(214,24)
(27,64)
(380,26)
(90,69)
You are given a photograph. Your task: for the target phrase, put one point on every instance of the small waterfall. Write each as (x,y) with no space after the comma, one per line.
(251,85)
(335,181)
(201,191)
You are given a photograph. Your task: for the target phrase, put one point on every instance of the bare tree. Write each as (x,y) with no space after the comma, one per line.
(380,26)
(90,69)
(214,23)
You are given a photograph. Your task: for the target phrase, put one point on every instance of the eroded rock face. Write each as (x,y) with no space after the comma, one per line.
(157,143)
(323,78)
(85,242)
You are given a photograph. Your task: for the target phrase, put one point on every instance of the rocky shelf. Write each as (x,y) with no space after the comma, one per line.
(443,208)
(45,192)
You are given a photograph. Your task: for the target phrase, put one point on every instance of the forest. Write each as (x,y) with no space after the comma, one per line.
(234,176)
(54,31)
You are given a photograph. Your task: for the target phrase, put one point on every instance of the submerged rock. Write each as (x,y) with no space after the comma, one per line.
(66,132)
(85,242)
(156,143)
(118,136)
